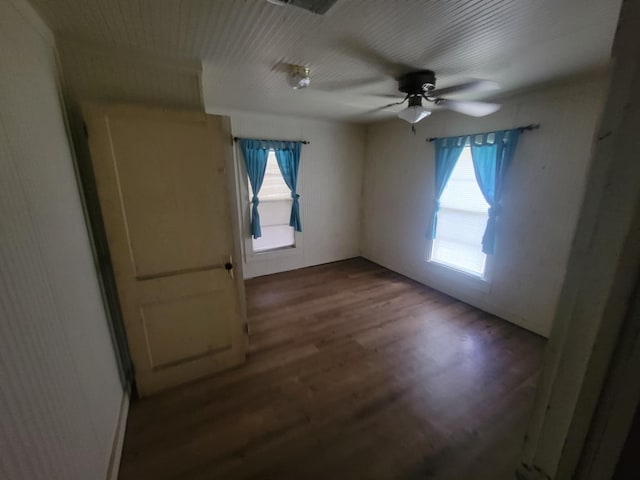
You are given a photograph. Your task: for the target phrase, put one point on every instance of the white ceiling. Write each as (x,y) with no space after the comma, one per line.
(354,50)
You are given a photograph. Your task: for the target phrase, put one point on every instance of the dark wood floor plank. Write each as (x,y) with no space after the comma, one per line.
(354,372)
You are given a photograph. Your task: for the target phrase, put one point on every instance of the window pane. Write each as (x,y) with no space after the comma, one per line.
(459,255)
(273,237)
(462,220)
(273,186)
(462,191)
(275,210)
(464,227)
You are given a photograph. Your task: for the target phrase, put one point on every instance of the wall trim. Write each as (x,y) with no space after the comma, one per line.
(118,438)
(617,404)
(600,279)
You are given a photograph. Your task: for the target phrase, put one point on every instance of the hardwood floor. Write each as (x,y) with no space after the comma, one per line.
(354,372)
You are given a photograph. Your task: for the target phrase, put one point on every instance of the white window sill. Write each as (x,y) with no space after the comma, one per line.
(451,274)
(277,253)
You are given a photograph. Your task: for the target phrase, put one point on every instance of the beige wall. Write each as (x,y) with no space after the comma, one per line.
(544,190)
(60,394)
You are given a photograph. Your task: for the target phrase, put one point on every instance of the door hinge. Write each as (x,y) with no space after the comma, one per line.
(246,328)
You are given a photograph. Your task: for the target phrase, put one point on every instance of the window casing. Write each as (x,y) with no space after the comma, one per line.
(275,210)
(462,219)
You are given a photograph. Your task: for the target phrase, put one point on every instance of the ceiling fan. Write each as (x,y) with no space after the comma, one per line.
(421,85)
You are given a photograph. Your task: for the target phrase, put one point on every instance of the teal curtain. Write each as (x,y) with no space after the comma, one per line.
(288,156)
(492,153)
(448,151)
(255,159)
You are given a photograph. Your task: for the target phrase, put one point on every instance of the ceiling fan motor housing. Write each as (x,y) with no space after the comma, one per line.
(417,83)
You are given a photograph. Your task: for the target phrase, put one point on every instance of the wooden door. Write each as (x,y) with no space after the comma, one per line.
(162,184)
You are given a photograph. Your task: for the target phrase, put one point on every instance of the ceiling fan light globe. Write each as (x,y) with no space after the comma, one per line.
(299,77)
(300,81)
(414,113)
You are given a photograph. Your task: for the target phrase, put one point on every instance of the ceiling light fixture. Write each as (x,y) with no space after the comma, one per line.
(415,111)
(299,77)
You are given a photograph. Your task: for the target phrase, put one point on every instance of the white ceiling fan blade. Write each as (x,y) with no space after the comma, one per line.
(475,109)
(384,107)
(387,95)
(472,86)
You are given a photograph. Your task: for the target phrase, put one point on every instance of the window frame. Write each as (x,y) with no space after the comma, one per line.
(244,213)
(457,273)
(286,198)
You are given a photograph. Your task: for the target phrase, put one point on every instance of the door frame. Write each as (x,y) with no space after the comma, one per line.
(85,181)
(597,300)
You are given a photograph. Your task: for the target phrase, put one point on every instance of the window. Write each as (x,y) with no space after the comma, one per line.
(275,210)
(462,219)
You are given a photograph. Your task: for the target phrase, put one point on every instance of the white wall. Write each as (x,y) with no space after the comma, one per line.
(329,184)
(60,393)
(544,191)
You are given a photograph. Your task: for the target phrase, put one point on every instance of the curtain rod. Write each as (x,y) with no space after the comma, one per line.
(532,126)
(305,142)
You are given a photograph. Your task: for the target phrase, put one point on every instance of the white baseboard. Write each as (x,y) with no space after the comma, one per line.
(460,295)
(118,438)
